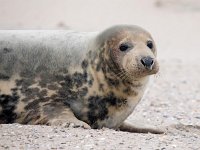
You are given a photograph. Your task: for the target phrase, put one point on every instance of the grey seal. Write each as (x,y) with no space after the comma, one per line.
(67,78)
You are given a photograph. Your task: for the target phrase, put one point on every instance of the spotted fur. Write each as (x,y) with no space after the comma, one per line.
(68,77)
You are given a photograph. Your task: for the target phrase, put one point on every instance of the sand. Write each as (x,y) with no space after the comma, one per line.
(173,98)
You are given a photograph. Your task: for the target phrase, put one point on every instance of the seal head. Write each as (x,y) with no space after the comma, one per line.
(129,52)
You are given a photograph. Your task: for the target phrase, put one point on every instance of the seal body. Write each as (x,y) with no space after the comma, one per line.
(70,78)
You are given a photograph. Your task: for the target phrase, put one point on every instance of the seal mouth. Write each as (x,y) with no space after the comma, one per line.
(139,70)
(149,70)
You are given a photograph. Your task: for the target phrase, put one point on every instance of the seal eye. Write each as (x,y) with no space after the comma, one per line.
(150,44)
(124,46)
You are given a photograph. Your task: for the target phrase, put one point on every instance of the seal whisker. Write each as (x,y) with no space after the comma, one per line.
(120,74)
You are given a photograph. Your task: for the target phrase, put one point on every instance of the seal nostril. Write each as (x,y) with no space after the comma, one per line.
(152,61)
(142,61)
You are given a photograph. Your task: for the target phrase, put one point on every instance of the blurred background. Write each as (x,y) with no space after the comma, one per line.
(174,24)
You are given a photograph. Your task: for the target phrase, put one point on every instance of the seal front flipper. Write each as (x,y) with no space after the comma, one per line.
(126,126)
(67,119)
